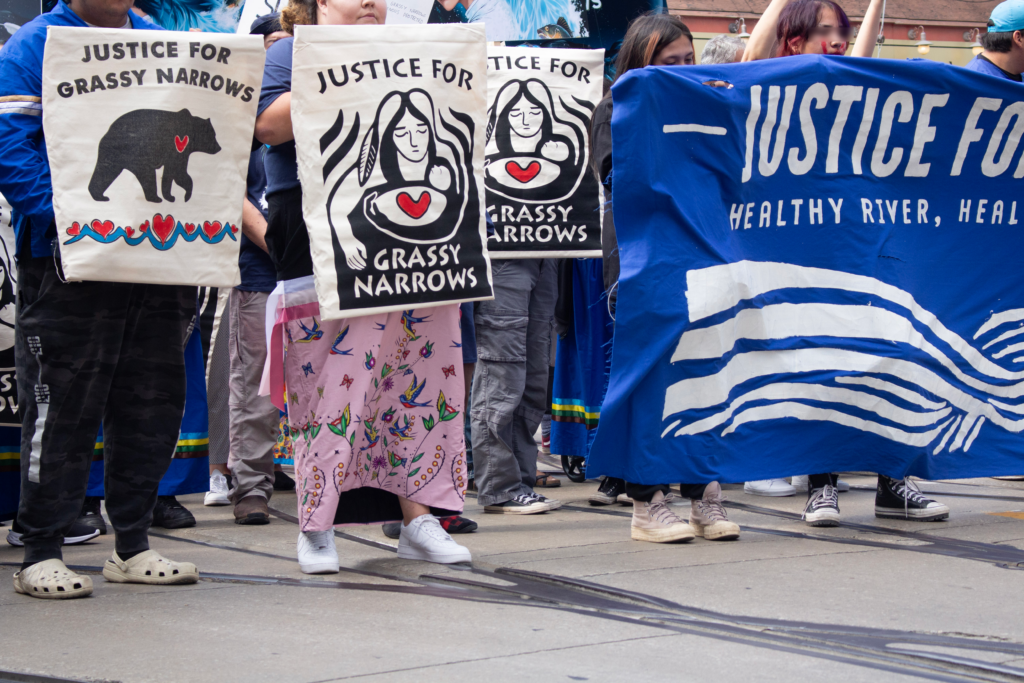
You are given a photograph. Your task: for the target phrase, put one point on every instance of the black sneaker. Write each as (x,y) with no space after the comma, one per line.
(282,482)
(392,529)
(77,533)
(170,514)
(608,492)
(901,499)
(457,524)
(550,502)
(91,515)
(520,505)
(822,507)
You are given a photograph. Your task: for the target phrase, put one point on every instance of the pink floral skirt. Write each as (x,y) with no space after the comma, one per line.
(375,411)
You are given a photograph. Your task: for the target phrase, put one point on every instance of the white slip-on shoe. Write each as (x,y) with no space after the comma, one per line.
(424,539)
(149,567)
(317,552)
(769,487)
(52,579)
(218,493)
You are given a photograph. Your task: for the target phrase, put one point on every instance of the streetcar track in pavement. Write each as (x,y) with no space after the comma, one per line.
(878,649)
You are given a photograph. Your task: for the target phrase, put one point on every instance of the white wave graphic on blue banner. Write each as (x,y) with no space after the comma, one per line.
(780,342)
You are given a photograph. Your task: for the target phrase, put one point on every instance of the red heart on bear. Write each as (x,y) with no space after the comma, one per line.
(163,227)
(103,228)
(417,208)
(190,228)
(181,143)
(523,175)
(74,230)
(211,229)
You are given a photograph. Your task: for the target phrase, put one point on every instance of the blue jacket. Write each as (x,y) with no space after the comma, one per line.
(982,65)
(24,168)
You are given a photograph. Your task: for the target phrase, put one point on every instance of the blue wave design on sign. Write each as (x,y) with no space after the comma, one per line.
(149,235)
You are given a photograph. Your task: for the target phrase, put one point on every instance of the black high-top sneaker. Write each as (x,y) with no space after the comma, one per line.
(822,507)
(901,499)
(608,492)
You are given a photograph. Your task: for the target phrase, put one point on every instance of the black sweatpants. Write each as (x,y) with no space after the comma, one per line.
(644,493)
(89,353)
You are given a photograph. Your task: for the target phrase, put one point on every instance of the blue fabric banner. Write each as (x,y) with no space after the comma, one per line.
(821,271)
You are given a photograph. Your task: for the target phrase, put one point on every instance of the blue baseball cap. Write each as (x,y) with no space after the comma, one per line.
(1007,17)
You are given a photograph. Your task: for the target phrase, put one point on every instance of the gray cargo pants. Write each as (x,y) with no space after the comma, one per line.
(513,336)
(254,419)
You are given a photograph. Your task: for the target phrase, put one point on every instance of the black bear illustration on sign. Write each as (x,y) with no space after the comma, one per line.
(410,182)
(536,151)
(145,140)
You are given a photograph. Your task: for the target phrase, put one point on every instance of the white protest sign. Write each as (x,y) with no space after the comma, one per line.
(409,11)
(388,125)
(542,194)
(148,135)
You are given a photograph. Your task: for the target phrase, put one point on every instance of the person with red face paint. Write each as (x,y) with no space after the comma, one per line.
(816,27)
(810,27)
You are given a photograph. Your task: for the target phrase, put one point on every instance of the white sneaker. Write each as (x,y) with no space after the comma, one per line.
(800,484)
(424,539)
(769,487)
(317,554)
(218,493)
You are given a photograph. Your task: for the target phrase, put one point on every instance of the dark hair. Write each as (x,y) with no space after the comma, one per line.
(799,18)
(646,36)
(997,42)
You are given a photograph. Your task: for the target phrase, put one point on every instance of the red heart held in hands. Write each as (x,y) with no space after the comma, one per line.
(190,228)
(103,228)
(417,208)
(181,143)
(523,175)
(211,229)
(163,227)
(74,230)
(144,227)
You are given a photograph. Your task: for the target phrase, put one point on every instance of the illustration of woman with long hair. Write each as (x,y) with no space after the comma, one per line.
(414,179)
(533,155)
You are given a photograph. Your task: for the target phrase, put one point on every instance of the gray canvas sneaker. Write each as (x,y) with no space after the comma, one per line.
(655,522)
(708,518)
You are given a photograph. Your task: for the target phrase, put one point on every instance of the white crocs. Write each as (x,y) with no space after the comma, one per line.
(51,579)
(149,567)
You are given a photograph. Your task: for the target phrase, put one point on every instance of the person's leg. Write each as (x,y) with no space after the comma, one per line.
(66,344)
(531,408)
(707,514)
(218,391)
(254,418)
(692,491)
(142,417)
(653,519)
(498,386)
(822,507)
(902,499)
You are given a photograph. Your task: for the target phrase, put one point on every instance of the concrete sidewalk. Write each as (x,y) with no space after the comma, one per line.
(564,596)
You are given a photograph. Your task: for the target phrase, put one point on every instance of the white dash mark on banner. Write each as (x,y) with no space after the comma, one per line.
(694,128)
